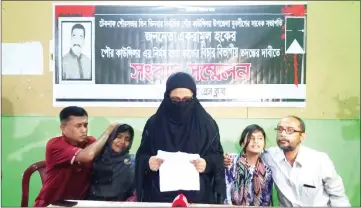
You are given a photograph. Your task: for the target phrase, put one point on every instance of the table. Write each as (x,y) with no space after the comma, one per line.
(87,203)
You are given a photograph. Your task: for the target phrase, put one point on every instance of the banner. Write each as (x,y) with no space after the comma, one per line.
(120,54)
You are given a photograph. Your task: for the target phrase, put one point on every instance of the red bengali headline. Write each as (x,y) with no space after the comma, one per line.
(199,71)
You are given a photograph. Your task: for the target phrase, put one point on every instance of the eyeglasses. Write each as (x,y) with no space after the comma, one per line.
(181,100)
(288,130)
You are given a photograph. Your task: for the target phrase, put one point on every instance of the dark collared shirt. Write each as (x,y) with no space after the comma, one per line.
(75,67)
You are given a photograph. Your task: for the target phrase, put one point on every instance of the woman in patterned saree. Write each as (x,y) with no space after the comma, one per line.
(249,179)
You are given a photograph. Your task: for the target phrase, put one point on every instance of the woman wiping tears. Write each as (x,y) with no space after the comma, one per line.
(113,169)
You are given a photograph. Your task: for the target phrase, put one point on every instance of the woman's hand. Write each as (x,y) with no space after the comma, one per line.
(154,163)
(227,160)
(200,165)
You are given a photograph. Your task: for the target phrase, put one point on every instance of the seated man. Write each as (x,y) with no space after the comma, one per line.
(302,176)
(68,158)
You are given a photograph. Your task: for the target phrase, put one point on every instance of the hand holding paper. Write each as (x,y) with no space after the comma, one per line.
(154,163)
(200,165)
(177,171)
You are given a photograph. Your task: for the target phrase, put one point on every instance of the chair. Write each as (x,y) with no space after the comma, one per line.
(38,166)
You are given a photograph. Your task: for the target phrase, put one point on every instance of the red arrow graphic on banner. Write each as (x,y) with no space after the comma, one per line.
(299,11)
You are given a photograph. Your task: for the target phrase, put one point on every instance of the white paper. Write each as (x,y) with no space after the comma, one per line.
(22,58)
(177,172)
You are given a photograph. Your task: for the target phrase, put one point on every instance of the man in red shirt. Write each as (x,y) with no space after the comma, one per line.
(69,158)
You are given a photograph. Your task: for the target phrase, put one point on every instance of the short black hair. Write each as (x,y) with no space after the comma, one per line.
(78,26)
(248,132)
(301,123)
(72,111)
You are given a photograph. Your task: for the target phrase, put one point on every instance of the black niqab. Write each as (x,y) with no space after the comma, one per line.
(178,113)
(185,127)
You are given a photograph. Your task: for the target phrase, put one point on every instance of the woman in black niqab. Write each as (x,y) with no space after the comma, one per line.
(181,126)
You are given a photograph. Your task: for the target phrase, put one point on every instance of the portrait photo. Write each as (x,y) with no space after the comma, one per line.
(76,49)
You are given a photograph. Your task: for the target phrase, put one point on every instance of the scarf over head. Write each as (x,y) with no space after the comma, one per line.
(113,172)
(180,126)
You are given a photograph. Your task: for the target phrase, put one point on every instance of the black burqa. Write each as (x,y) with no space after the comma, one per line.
(113,173)
(185,127)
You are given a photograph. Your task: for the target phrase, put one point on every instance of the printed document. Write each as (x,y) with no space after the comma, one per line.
(177,171)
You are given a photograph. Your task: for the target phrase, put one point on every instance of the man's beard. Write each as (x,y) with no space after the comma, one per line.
(287,148)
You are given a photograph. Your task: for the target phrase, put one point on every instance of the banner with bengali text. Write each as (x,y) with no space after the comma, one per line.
(120,54)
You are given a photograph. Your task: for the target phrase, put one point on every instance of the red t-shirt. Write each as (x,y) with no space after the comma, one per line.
(64,178)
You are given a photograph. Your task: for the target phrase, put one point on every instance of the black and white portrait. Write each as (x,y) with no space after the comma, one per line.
(76,43)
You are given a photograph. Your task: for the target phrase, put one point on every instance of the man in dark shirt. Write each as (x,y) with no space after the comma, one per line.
(76,65)
(69,158)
